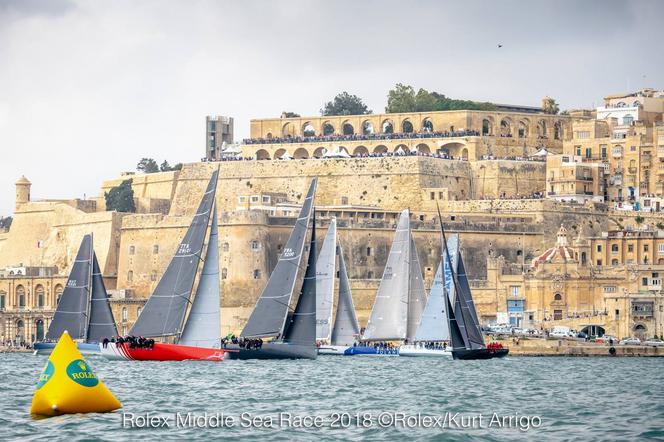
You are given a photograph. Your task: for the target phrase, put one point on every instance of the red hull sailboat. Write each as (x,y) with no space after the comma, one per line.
(162,352)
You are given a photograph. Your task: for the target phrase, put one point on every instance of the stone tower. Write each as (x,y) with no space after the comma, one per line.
(22,191)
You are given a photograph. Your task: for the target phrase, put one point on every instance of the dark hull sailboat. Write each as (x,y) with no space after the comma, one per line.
(83,311)
(465,332)
(197,338)
(295,334)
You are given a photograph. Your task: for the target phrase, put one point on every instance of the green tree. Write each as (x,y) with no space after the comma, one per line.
(550,106)
(147,165)
(660,225)
(402,99)
(345,104)
(5,222)
(121,198)
(639,219)
(286,114)
(165,167)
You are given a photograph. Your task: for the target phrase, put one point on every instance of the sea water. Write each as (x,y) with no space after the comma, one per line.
(353,398)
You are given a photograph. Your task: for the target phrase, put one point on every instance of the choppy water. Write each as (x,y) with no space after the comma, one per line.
(576,399)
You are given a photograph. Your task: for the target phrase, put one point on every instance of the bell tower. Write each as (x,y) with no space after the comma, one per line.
(22,191)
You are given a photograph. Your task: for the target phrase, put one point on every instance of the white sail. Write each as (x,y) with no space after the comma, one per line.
(203,327)
(346,328)
(417,296)
(325,275)
(434,325)
(389,314)
(453,247)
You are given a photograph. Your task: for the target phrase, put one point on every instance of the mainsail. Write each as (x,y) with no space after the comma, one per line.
(71,313)
(465,308)
(346,328)
(389,314)
(417,296)
(434,325)
(325,275)
(102,324)
(164,312)
(203,326)
(269,315)
(302,326)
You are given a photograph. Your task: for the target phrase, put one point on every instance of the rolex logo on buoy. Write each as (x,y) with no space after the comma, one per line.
(79,372)
(46,375)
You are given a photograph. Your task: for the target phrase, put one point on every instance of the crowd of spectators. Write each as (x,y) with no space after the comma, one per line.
(361,137)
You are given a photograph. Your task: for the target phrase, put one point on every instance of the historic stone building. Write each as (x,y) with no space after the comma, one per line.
(459,134)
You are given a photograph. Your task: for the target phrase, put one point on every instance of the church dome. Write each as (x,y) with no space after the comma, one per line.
(562,252)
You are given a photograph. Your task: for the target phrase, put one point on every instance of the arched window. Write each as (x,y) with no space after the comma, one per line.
(614,247)
(388,127)
(58,293)
(348,129)
(486,127)
(367,128)
(39,295)
(557,297)
(308,130)
(407,127)
(20,296)
(328,129)
(427,125)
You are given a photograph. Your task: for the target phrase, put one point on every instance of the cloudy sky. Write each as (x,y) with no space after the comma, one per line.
(87,88)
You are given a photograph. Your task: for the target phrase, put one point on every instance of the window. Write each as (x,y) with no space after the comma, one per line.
(241,199)
(369,251)
(599,247)
(515,289)
(646,247)
(557,297)
(130,276)
(20,291)
(632,148)
(138,312)
(440,195)
(614,248)
(124,314)
(433,195)
(224,273)
(609,289)
(589,152)
(617,312)
(225,247)
(155,249)
(578,150)
(153,276)
(132,250)
(3,300)
(644,281)
(370,274)
(257,274)
(630,248)
(254,198)
(603,149)
(266,199)
(599,262)
(255,245)
(344,200)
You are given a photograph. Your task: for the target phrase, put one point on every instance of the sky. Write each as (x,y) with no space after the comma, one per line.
(88,88)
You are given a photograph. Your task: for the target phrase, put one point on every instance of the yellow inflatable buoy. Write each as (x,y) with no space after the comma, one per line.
(68,385)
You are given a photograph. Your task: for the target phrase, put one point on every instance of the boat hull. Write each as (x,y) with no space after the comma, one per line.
(421,352)
(161,352)
(483,353)
(333,350)
(273,350)
(45,348)
(363,350)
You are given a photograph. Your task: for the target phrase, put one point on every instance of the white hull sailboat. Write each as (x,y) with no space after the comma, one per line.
(418,350)
(400,299)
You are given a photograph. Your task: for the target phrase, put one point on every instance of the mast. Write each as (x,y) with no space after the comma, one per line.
(389,315)
(325,276)
(164,313)
(91,270)
(203,326)
(269,316)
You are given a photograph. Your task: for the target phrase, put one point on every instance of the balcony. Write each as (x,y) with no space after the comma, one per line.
(617,153)
(631,170)
(655,284)
(616,180)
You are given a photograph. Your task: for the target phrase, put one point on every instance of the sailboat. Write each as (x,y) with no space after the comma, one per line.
(197,338)
(465,332)
(325,276)
(293,334)
(400,300)
(83,310)
(433,333)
